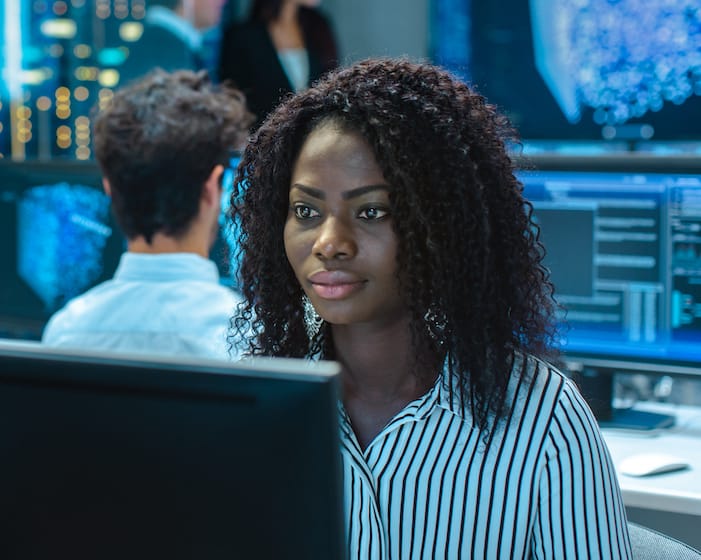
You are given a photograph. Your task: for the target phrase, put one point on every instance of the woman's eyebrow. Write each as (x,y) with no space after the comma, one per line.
(360,191)
(346,195)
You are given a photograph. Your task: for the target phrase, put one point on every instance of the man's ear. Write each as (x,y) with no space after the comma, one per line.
(212,186)
(106,187)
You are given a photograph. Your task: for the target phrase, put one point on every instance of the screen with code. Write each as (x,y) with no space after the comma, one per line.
(624,250)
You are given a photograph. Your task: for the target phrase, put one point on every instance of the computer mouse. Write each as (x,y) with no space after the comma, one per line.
(647,464)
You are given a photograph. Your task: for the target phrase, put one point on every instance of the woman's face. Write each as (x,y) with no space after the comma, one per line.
(338,234)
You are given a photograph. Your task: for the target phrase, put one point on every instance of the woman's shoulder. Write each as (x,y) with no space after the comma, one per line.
(538,384)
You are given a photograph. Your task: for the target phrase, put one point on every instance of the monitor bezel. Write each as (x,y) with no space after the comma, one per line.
(631,162)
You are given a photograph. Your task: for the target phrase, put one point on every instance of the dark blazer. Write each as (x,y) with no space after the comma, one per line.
(248,60)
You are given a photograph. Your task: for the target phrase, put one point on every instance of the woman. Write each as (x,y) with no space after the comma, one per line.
(383,228)
(283,47)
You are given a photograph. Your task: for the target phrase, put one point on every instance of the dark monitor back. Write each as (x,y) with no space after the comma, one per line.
(113,457)
(623,241)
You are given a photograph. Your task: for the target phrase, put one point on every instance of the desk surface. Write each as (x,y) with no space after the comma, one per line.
(678,492)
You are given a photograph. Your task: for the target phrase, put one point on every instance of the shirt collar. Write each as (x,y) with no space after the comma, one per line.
(438,396)
(162,16)
(166,267)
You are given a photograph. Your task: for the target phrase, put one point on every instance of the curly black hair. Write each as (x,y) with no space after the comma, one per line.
(469,259)
(158,140)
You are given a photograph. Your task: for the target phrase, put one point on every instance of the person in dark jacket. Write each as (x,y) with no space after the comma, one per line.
(282,47)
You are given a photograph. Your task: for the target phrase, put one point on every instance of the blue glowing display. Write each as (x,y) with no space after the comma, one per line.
(589,70)
(62,232)
(622,58)
(624,251)
(229,230)
(450,35)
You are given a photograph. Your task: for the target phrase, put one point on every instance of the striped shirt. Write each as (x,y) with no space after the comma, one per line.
(430,486)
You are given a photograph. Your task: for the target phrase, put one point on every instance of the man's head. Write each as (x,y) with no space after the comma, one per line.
(157,144)
(203,14)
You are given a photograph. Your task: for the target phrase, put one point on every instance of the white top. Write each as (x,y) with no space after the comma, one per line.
(295,63)
(429,486)
(155,304)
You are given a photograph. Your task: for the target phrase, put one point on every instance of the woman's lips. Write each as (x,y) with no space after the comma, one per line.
(335,284)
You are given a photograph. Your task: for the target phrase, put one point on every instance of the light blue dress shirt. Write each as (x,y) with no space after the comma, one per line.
(156,304)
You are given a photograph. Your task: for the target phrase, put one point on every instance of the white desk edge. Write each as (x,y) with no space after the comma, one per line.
(677,492)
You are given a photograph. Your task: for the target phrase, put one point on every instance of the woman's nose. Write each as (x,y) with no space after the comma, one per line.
(335,240)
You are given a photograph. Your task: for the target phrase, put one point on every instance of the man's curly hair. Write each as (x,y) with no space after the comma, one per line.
(469,260)
(157,142)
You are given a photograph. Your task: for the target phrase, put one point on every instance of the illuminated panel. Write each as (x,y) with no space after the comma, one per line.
(450,35)
(551,46)
(62,231)
(621,58)
(225,252)
(624,252)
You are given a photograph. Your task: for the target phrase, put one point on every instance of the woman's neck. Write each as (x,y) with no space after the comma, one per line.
(285,30)
(288,13)
(379,374)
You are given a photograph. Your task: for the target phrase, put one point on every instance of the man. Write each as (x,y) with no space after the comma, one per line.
(175,37)
(162,146)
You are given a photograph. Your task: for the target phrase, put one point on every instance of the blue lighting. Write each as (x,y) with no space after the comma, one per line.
(111,57)
(62,234)
(621,57)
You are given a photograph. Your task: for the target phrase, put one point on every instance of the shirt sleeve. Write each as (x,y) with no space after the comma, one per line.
(580,508)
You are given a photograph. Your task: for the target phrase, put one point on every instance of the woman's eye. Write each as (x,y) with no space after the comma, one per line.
(372,213)
(304,212)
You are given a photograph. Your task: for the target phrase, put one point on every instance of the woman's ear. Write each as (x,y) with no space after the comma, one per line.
(106,187)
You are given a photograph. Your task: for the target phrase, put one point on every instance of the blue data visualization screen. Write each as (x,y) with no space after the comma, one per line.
(624,251)
(583,70)
(58,239)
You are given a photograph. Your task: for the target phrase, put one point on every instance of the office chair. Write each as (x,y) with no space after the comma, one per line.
(649,544)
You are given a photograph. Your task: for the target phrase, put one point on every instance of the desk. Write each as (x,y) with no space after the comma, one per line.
(670,503)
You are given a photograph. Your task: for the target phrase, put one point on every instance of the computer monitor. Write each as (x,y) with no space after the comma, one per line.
(582,71)
(124,457)
(58,238)
(623,241)
(225,251)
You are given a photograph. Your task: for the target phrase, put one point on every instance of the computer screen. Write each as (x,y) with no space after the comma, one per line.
(586,70)
(58,238)
(623,241)
(118,457)
(225,251)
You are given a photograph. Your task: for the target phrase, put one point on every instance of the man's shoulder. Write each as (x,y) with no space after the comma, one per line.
(74,310)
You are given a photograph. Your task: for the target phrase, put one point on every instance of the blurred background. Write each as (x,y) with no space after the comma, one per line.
(594,71)
(593,86)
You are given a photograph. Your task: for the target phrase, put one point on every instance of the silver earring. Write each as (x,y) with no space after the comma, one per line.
(312,320)
(435,323)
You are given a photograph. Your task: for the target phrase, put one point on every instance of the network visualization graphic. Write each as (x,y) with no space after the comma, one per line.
(622,58)
(62,233)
